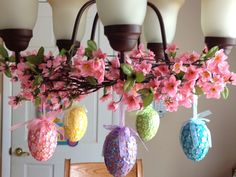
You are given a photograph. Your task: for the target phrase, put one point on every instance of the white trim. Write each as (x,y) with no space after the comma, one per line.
(6,124)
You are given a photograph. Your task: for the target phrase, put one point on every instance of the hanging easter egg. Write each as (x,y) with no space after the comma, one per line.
(195,139)
(75,123)
(42,139)
(120,151)
(147,123)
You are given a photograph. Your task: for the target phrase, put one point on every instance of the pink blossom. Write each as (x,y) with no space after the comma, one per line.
(106,97)
(144,67)
(138,53)
(193,57)
(80,52)
(219,56)
(2,67)
(205,75)
(171,86)
(171,49)
(113,106)
(115,62)
(223,67)
(99,54)
(191,74)
(132,102)
(214,91)
(162,70)
(27,95)
(118,87)
(179,67)
(13,101)
(171,104)
(233,78)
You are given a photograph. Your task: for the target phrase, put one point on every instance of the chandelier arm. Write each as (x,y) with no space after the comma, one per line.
(95,22)
(78,18)
(162,26)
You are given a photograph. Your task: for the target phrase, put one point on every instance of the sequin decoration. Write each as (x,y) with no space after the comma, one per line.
(120,151)
(75,123)
(42,140)
(147,123)
(195,139)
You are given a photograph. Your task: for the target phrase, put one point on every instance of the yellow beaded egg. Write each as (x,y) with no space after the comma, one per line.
(75,123)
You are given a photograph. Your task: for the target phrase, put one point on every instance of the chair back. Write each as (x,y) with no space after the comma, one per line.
(96,169)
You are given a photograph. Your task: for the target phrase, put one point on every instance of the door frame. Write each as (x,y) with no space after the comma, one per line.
(6,118)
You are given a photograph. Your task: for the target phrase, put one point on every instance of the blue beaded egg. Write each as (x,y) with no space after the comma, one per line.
(118,163)
(195,139)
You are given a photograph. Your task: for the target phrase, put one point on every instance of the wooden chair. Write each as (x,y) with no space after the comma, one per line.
(96,169)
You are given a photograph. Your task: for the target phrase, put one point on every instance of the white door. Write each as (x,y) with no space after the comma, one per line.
(90,148)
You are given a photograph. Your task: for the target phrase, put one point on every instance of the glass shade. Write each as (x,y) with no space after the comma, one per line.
(64,15)
(18,14)
(169,10)
(218,18)
(121,12)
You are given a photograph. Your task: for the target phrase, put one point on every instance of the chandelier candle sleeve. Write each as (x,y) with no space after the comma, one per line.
(64,15)
(217,21)
(169,11)
(17,20)
(122,27)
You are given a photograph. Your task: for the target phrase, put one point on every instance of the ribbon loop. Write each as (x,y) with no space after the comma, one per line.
(199,118)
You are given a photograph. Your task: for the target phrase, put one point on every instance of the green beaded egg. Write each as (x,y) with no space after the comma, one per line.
(147,123)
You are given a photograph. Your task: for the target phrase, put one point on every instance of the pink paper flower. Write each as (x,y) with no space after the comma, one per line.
(171,86)
(113,106)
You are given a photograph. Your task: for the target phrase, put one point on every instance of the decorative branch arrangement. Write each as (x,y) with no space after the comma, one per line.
(57,81)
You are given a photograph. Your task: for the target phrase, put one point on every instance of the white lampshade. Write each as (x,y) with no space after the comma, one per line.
(64,15)
(169,10)
(18,14)
(121,12)
(218,18)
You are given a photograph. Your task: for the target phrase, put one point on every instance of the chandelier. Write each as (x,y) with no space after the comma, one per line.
(138,75)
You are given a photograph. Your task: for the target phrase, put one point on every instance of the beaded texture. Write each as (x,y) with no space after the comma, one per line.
(194,139)
(42,141)
(147,123)
(117,165)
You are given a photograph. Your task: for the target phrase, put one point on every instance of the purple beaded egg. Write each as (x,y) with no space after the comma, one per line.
(120,151)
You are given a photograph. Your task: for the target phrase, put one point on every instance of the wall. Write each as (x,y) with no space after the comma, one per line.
(165,157)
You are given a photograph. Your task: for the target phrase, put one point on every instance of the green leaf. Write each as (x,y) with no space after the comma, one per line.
(37,80)
(180,75)
(37,101)
(211,52)
(139,77)
(127,69)
(147,95)
(32,67)
(92,45)
(129,84)
(91,80)
(198,90)
(88,52)
(35,60)
(40,52)
(63,52)
(147,100)
(225,93)
(144,92)
(8,73)
(3,52)
(12,59)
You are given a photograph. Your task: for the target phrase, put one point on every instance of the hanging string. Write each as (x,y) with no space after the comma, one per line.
(121,115)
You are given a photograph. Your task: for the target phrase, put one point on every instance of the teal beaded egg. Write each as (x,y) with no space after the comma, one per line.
(147,123)
(195,139)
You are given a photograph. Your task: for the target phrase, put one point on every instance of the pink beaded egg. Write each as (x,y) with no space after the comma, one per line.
(42,139)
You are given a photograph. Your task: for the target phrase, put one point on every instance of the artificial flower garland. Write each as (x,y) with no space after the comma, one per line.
(57,81)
